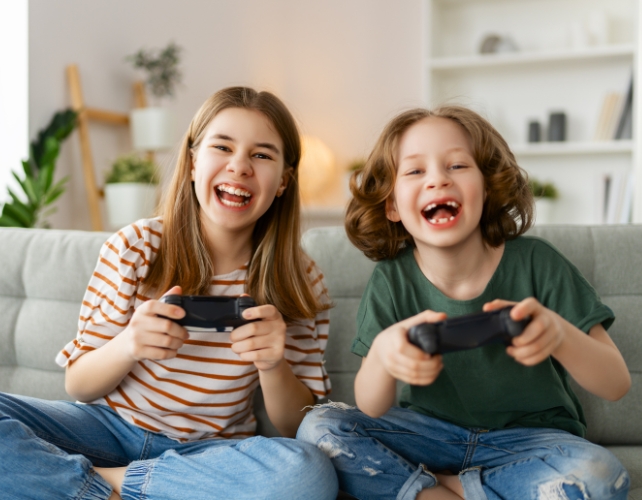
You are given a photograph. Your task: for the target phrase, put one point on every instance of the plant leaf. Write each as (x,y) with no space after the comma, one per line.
(6,221)
(25,218)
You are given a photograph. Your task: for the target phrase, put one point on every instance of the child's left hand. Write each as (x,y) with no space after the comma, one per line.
(262,342)
(542,336)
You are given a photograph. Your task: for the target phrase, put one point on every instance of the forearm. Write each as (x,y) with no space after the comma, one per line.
(594,362)
(97,372)
(285,398)
(374,388)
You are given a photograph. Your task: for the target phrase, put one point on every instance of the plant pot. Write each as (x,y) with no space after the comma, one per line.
(126,202)
(152,129)
(544,210)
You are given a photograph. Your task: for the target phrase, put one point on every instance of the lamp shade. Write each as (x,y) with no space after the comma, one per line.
(152,129)
(316,168)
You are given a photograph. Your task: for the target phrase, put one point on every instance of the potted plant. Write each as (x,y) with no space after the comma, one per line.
(153,127)
(131,190)
(31,207)
(545,194)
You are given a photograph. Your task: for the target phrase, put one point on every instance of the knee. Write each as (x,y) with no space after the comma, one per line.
(323,420)
(596,474)
(306,473)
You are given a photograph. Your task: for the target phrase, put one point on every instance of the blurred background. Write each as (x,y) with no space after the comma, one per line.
(546,73)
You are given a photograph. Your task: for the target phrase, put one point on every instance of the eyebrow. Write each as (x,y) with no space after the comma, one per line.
(266,145)
(451,150)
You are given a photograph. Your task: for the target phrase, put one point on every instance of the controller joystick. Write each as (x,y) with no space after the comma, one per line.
(467,332)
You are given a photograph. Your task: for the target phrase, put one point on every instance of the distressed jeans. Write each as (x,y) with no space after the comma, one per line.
(395,456)
(48,449)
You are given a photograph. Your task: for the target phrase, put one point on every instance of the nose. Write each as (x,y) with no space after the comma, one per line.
(240,165)
(437,178)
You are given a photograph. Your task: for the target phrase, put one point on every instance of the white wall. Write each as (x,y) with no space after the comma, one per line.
(344,67)
(14,103)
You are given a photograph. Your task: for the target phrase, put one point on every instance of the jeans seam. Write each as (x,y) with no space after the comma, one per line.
(470,450)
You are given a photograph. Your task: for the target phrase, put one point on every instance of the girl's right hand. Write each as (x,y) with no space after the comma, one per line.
(151,333)
(403,360)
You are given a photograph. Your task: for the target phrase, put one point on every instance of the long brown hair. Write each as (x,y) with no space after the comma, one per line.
(508,208)
(277,272)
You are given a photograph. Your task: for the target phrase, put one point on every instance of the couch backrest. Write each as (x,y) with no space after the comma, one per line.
(610,257)
(43,275)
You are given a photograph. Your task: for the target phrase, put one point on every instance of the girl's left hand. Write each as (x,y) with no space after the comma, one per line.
(542,336)
(262,342)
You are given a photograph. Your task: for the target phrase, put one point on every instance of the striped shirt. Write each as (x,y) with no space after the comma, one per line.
(206,391)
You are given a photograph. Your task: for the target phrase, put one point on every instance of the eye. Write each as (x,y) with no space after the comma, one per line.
(458,166)
(221,147)
(262,156)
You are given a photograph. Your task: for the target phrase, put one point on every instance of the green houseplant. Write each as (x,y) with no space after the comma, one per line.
(545,194)
(32,207)
(131,190)
(153,127)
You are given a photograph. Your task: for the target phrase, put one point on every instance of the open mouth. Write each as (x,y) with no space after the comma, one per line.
(440,213)
(233,197)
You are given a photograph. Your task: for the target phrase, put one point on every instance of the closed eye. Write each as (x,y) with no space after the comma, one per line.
(458,166)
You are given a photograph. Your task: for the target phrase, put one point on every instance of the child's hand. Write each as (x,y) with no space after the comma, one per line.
(403,360)
(262,342)
(150,336)
(542,336)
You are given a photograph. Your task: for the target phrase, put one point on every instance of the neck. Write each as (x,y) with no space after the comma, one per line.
(461,272)
(229,249)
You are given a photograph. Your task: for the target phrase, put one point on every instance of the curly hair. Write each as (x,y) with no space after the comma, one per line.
(508,208)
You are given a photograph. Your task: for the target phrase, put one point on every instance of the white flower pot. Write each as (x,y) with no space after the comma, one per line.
(126,202)
(152,129)
(544,211)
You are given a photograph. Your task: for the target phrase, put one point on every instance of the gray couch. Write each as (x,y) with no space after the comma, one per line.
(44,274)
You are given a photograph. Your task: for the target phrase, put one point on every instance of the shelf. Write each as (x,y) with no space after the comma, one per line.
(521,58)
(572,148)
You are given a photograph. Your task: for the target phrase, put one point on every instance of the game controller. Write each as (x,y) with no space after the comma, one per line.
(214,312)
(467,332)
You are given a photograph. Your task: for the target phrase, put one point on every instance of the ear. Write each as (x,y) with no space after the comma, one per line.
(391,210)
(285,178)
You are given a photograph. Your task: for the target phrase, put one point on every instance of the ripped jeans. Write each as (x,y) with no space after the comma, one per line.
(394,456)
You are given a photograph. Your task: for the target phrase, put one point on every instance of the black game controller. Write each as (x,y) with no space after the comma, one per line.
(467,332)
(204,311)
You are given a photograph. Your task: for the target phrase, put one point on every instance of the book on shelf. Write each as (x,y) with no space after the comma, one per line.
(616,116)
(614,198)
(624,128)
(609,116)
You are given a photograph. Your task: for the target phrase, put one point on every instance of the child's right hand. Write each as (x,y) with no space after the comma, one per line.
(151,333)
(403,360)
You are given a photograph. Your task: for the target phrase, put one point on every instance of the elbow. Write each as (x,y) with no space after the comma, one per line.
(622,389)
(619,390)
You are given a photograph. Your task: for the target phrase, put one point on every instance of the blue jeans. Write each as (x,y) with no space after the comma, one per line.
(48,449)
(394,456)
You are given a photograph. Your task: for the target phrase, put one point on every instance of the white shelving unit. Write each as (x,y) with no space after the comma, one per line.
(550,71)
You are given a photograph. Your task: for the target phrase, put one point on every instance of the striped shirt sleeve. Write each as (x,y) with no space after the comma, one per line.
(307,339)
(112,292)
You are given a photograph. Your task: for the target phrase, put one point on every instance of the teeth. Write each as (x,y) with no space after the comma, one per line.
(235,191)
(233,203)
(453,204)
(443,220)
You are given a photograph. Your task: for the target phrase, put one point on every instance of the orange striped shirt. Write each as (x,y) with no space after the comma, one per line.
(207,390)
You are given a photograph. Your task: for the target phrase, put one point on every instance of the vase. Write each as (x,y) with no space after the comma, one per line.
(127,202)
(544,208)
(152,129)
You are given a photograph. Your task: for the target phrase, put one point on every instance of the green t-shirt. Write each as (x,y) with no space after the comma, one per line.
(484,387)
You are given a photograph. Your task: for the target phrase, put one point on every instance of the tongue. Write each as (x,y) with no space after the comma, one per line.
(441,213)
(232,197)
